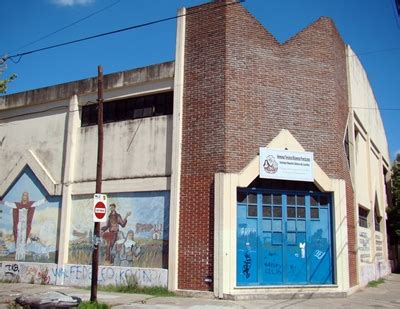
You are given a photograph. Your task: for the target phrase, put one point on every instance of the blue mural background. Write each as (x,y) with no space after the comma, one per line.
(41,244)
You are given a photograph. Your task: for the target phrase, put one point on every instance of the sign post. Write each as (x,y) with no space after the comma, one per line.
(99,173)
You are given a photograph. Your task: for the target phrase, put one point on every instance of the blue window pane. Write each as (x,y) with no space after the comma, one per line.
(301,200)
(291,225)
(301,237)
(301,226)
(267,199)
(267,211)
(252,198)
(291,238)
(252,211)
(277,238)
(277,225)
(277,211)
(267,225)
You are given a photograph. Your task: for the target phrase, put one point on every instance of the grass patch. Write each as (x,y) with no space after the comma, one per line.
(132,286)
(375,283)
(153,290)
(93,305)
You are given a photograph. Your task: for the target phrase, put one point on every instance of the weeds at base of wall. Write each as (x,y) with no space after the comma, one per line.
(132,286)
(375,283)
(12,305)
(13,280)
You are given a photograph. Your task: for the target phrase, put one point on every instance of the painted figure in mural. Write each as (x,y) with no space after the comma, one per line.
(22,213)
(117,250)
(125,250)
(131,250)
(110,231)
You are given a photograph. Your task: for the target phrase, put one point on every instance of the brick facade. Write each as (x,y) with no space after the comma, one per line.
(241,88)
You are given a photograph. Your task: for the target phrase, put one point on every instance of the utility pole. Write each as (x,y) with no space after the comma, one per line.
(96,234)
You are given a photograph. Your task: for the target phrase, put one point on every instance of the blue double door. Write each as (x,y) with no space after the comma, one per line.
(284,238)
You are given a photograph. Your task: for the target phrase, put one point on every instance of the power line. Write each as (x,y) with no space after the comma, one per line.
(66,27)
(376,51)
(88,102)
(17,57)
(20,55)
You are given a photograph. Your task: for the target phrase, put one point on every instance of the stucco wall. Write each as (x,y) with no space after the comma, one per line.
(132,149)
(370,152)
(364,105)
(36,120)
(33,128)
(42,129)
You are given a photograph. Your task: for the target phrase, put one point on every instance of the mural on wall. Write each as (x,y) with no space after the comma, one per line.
(135,234)
(29,221)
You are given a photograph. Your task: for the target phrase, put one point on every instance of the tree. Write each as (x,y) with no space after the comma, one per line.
(393,211)
(4,82)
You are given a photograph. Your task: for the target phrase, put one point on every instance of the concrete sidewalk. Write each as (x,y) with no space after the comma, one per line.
(386,295)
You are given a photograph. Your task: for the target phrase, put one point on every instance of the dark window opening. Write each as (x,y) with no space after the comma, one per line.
(152,105)
(347,147)
(377,217)
(363,217)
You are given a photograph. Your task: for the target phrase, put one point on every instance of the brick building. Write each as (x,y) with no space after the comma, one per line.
(189,138)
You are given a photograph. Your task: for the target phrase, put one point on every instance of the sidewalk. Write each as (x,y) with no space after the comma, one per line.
(386,295)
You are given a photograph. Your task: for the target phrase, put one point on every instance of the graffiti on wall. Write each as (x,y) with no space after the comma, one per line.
(364,247)
(80,275)
(135,234)
(29,221)
(378,247)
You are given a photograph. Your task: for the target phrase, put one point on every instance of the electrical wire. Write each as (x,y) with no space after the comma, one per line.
(36,112)
(395,13)
(20,55)
(65,27)
(88,102)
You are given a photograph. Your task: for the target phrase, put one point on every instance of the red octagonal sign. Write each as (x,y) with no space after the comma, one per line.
(100,210)
(99,207)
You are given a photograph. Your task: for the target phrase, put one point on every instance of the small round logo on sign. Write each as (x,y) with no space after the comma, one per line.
(100,210)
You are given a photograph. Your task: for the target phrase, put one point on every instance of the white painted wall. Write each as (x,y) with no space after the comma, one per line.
(363,103)
(31,129)
(132,149)
(40,129)
(370,150)
(361,170)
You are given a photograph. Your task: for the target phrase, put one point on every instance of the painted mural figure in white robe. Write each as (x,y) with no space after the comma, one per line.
(22,213)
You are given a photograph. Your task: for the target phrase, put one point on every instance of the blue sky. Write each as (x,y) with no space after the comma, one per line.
(368,26)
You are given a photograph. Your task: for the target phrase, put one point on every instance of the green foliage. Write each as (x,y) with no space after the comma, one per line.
(394,209)
(4,82)
(375,283)
(132,286)
(12,305)
(93,305)
(15,279)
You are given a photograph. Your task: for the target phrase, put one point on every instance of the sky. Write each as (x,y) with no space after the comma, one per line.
(370,27)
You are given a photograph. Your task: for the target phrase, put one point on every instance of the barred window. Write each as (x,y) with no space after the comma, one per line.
(152,105)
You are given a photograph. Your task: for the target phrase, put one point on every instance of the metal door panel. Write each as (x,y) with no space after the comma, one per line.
(284,239)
